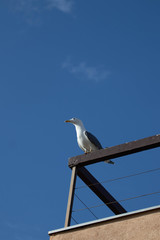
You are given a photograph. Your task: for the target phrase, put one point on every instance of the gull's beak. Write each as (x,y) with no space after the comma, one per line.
(67,121)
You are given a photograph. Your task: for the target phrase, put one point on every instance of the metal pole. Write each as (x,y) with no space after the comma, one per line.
(70,198)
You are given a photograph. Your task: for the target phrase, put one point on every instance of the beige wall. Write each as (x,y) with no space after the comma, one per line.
(141,226)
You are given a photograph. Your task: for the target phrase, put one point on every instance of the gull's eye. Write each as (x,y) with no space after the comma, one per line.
(74,118)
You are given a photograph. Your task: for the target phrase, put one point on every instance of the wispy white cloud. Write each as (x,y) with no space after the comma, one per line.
(83,71)
(32,9)
(25,5)
(62,5)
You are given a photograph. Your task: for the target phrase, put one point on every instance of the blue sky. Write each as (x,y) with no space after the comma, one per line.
(95,60)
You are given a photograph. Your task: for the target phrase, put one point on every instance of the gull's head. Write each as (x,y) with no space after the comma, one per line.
(75,121)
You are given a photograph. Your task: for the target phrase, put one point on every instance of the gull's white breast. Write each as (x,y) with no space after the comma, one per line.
(84,143)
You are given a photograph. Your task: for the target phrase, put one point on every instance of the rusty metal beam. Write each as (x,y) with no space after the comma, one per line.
(115,151)
(100,191)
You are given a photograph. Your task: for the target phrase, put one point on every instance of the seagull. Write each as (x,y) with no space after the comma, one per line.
(86,140)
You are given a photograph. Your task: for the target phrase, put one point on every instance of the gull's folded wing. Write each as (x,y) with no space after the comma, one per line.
(93,139)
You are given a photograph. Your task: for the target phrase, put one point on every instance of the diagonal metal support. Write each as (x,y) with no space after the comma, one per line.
(100,191)
(70,198)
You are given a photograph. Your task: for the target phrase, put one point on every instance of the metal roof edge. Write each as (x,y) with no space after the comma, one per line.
(103,220)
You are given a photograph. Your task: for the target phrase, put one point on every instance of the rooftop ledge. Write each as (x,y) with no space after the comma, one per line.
(108,219)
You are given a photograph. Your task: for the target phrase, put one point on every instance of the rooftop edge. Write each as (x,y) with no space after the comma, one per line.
(103,220)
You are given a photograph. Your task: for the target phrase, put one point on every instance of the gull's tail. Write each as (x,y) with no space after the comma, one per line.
(109,161)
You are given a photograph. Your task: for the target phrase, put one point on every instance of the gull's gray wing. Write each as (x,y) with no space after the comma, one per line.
(93,139)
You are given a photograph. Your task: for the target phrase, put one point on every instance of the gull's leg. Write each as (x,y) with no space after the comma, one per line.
(85,151)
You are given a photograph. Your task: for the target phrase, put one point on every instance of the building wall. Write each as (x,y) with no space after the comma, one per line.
(140,226)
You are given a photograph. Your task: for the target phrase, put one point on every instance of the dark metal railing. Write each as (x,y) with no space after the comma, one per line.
(77,165)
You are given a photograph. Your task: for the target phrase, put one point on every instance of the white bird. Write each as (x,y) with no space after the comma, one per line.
(86,141)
